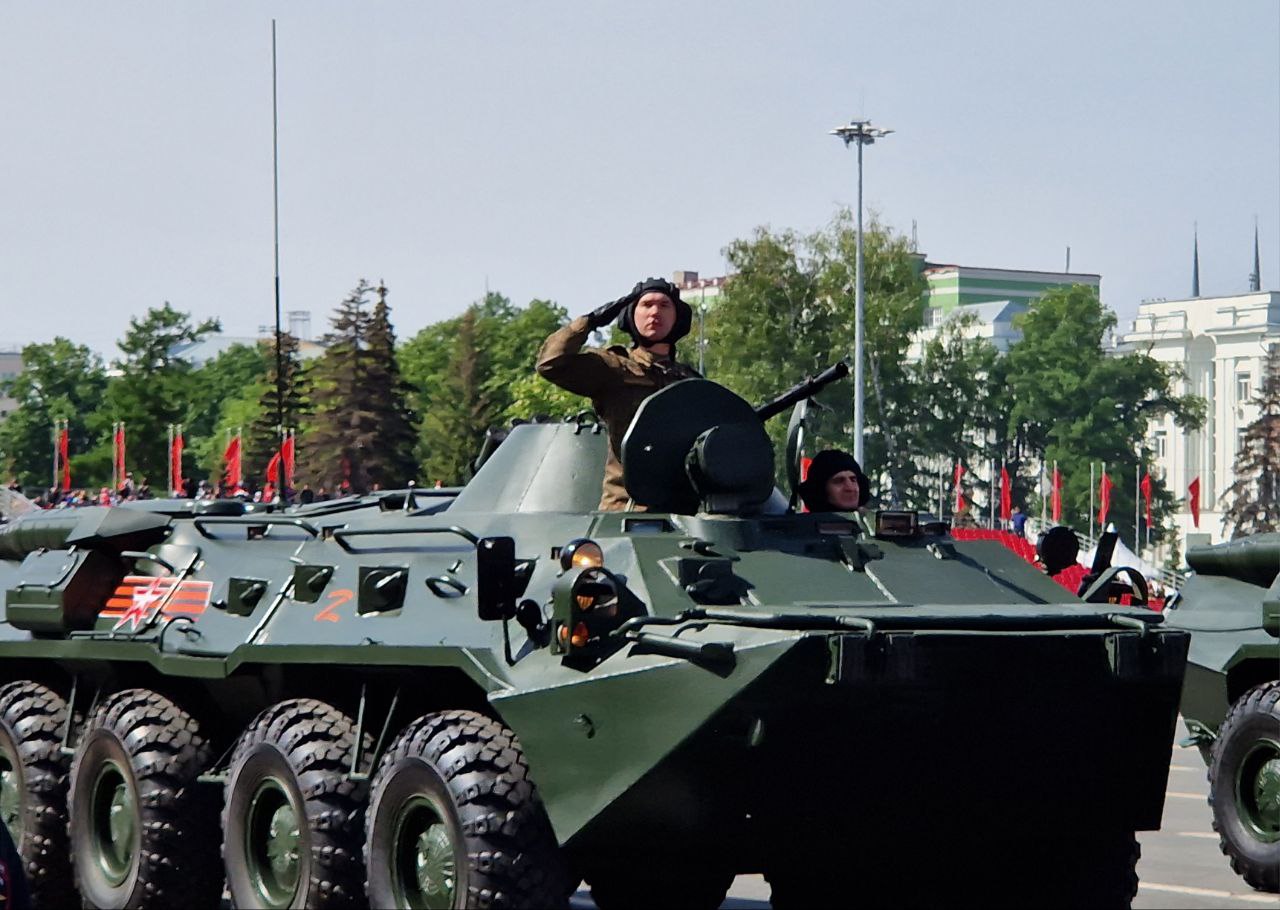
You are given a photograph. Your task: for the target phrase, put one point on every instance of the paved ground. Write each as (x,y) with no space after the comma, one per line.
(1181,865)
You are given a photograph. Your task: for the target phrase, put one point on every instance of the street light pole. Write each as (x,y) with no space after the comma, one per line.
(863,133)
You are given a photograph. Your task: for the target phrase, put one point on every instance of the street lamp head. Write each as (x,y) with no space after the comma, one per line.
(862,132)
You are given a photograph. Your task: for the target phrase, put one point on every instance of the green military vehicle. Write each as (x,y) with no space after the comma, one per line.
(1231,697)
(481,700)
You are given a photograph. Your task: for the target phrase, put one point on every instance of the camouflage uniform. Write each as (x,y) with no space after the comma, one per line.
(616,380)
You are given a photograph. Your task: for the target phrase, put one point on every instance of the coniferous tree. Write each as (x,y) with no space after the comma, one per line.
(343,426)
(362,430)
(262,436)
(1254,499)
(390,462)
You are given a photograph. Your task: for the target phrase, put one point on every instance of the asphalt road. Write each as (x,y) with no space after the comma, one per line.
(1181,865)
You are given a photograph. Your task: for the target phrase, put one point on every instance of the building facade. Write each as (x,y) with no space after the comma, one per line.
(1220,344)
(951,286)
(10,367)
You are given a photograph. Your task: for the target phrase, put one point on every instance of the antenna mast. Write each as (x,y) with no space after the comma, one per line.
(275,186)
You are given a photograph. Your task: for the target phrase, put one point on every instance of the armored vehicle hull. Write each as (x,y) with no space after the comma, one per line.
(1231,697)
(481,700)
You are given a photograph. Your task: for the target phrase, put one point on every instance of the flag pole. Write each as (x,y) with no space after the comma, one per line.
(57,426)
(991,497)
(1102,530)
(1137,513)
(1043,501)
(1091,497)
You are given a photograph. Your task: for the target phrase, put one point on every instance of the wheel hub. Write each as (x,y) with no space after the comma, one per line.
(425,873)
(274,847)
(11,795)
(115,831)
(1258,790)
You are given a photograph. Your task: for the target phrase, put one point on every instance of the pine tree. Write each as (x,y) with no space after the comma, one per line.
(262,437)
(1255,496)
(362,430)
(390,462)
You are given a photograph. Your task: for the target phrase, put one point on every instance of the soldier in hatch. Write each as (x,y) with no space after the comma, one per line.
(618,379)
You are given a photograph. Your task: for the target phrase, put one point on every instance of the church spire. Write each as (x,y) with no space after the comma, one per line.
(1255,277)
(1195,261)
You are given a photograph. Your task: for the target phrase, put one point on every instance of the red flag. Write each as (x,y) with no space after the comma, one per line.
(231,458)
(1104,499)
(1006,495)
(175,459)
(64,445)
(119,453)
(1055,498)
(286,452)
(1194,499)
(1145,487)
(273,469)
(961,505)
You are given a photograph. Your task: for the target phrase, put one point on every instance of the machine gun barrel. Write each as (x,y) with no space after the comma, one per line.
(804,390)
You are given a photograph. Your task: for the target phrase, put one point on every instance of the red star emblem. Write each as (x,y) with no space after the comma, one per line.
(145,597)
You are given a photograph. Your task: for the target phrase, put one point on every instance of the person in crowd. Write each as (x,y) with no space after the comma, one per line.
(835,483)
(306,495)
(1019,521)
(617,379)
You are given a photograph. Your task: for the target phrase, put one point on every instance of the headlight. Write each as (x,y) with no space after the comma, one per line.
(581,554)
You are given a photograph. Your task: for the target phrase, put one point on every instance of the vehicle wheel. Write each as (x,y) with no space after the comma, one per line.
(681,889)
(292,820)
(143,831)
(454,821)
(33,788)
(1244,786)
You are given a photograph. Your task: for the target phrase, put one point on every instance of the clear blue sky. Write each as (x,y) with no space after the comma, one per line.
(565,150)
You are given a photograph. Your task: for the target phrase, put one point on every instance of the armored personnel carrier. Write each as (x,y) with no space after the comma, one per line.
(1231,697)
(481,700)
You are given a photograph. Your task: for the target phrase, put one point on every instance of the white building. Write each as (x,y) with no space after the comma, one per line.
(10,367)
(1220,343)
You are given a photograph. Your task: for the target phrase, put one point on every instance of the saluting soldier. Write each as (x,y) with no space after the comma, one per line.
(617,379)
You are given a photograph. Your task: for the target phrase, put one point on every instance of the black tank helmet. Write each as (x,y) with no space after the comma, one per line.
(684,312)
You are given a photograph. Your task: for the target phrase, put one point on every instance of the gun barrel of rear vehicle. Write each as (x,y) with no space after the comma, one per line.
(36,532)
(1253,559)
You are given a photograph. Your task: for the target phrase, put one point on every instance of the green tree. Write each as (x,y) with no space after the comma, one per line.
(392,461)
(454,425)
(953,388)
(357,435)
(1076,403)
(789,312)
(60,380)
(1253,500)
(262,431)
(219,388)
(154,389)
(516,390)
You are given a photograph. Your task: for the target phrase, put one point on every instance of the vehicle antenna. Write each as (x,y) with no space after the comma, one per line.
(275,186)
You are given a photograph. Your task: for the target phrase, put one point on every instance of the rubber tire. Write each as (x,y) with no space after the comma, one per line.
(33,719)
(681,889)
(1255,714)
(161,752)
(307,745)
(473,768)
